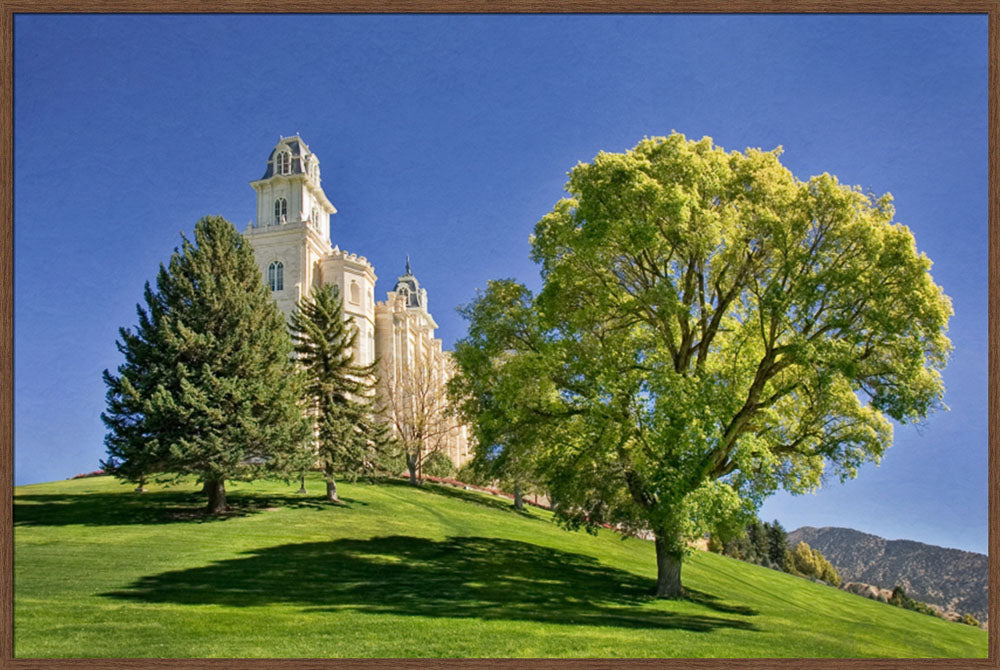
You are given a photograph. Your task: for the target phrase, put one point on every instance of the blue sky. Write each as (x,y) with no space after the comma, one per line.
(447,138)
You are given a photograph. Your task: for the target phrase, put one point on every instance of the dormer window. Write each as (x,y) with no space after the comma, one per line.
(275,276)
(280,210)
(283,163)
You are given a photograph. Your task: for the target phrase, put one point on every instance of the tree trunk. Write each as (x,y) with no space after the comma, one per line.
(141,488)
(518,498)
(411,465)
(331,489)
(302,488)
(668,565)
(216,495)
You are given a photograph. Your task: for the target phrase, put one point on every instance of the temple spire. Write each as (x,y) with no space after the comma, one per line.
(408,264)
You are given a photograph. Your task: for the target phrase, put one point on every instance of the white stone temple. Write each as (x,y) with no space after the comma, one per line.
(292,244)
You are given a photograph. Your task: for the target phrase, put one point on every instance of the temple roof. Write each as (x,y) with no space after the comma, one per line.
(300,155)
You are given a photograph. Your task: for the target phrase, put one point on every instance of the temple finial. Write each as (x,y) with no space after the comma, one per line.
(407,263)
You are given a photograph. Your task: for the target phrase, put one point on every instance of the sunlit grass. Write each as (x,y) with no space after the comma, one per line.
(399,571)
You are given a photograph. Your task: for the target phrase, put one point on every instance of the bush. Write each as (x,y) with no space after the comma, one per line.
(970,620)
(438,465)
(469,474)
(714,543)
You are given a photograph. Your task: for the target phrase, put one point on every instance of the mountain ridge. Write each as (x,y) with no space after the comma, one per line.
(954,579)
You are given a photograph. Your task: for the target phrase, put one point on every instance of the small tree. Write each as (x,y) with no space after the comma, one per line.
(341,393)
(416,404)
(803,560)
(207,387)
(777,544)
(757,535)
(825,570)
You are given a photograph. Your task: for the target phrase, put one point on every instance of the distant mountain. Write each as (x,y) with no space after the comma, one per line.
(951,578)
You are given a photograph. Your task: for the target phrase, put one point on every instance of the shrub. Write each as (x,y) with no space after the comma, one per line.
(438,465)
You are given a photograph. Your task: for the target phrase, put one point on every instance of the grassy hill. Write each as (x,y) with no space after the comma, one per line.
(399,571)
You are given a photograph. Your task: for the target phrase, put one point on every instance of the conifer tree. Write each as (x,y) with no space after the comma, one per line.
(777,540)
(341,394)
(208,386)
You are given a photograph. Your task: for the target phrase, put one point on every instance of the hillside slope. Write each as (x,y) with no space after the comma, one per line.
(399,571)
(951,578)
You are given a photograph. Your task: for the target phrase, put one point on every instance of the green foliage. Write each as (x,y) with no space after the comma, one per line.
(489,382)
(710,329)
(970,620)
(349,436)
(825,570)
(207,387)
(777,545)
(761,543)
(804,560)
(438,464)
(469,474)
(809,562)
(757,536)
(899,598)
(739,547)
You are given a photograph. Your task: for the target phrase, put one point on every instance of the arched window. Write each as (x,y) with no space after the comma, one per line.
(315,216)
(355,293)
(280,210)
(282,163)
(275,278)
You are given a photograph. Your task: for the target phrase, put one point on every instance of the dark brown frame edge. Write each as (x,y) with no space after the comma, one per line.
(10,7)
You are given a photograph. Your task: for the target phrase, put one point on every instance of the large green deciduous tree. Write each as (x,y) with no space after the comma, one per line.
(342,394)
(208,385)
(709,329)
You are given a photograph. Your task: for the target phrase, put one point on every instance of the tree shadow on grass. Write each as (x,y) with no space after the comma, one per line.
(466,577)
(128,508)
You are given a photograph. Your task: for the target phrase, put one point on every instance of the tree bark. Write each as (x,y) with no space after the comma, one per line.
(302,488)
(518,498)
(411,465)
(216,495)
(668,565)
(141,488)
(331,489)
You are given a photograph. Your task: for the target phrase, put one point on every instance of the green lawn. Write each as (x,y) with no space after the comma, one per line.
(399,571)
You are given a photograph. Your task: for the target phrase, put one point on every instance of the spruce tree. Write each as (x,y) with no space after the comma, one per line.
(777,540)
(341,394)
(208,386)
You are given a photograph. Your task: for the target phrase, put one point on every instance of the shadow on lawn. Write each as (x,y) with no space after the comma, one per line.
(127,508)
(487,578)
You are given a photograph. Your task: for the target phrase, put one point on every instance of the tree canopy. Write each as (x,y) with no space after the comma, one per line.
(709,329)
(207,386)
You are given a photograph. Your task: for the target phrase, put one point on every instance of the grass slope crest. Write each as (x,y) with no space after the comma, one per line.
(401,571)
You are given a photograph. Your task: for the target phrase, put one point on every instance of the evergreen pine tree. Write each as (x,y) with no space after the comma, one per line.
(208,385)
(342,394)
(777,544)
(758,541)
